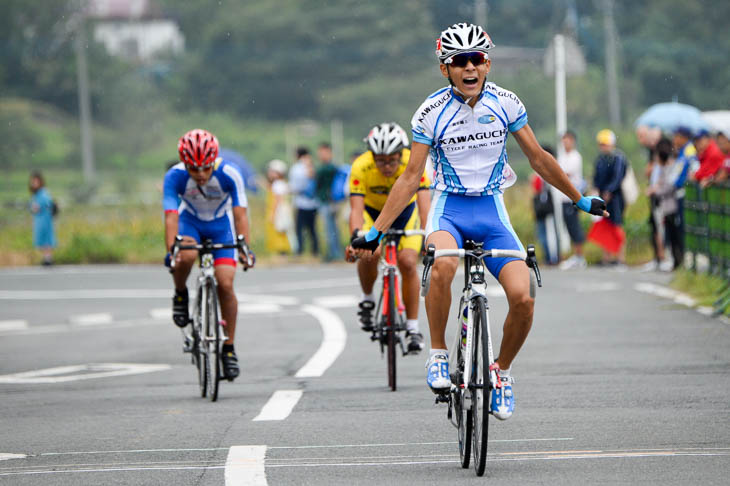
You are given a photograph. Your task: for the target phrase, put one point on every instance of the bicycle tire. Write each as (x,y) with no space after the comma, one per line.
(213,344)
(480,393)
(390,331)
(200,360)
(464,416)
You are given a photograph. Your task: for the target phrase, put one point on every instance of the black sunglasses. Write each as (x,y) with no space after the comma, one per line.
(461,60)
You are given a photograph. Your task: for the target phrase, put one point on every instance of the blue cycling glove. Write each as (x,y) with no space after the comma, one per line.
(592,205)
(168,260)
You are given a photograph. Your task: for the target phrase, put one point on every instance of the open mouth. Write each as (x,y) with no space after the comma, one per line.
(471,81)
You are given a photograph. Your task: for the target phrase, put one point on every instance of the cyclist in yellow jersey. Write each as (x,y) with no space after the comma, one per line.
(371,178)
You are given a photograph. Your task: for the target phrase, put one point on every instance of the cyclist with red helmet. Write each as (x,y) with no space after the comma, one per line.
(204,198)
(464,128)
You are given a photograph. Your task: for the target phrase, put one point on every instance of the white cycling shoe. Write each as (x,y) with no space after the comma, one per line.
(503,399)
(437,373)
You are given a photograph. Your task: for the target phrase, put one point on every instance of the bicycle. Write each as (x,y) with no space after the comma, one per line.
(208,331)
(391,321)
(470,394)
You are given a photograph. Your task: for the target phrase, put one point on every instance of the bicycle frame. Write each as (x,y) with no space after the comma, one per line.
(389,264)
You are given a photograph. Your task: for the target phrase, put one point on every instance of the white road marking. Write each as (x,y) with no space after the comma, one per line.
(161,313)
(705,310)
(598,287)
(667,293)
(280,405)
(337,301)
(245,466)
(13,325)
(267,299)
(260,308)
(4,456)
(97,319)
(333,342)
(64,374)
(406,444)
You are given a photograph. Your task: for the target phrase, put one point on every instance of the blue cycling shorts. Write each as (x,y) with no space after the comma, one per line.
(219,231)
(477,218)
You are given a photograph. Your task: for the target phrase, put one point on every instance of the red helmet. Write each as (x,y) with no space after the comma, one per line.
(198,148)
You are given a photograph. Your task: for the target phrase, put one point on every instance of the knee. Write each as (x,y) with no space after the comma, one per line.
(444,270)
(523,306)
(407,264)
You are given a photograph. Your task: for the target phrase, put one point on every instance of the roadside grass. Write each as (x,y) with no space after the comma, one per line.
(133,232)
(704,288)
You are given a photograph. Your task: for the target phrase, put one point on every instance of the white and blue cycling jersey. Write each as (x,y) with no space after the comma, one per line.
(468,145)
(469,154)
(215,199)
(206,212)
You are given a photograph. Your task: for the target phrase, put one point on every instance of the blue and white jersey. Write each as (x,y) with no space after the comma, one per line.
(224,190)
(468,145)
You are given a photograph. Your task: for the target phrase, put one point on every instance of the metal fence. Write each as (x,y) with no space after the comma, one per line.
(707,233)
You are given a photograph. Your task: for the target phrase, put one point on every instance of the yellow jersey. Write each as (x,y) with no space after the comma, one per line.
(367,181)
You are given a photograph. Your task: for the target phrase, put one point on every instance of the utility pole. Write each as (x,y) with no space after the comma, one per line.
(609,27)
(480,13)
(87,149)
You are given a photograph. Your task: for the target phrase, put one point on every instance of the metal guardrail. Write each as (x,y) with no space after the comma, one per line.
(707,233)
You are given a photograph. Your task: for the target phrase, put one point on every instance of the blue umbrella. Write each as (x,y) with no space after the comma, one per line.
(669,116)
(249,174)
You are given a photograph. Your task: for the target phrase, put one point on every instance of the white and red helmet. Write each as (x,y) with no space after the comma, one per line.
(198,148)
(460,38)
(386,139)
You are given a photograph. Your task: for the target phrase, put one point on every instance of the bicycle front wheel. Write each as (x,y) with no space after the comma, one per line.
(213,343)
(480,385)
(199,352)
(392,322)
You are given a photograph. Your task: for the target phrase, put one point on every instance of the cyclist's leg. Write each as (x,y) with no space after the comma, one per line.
(224,274)
(408,266)
(515,279)
(438,299)
(188,229)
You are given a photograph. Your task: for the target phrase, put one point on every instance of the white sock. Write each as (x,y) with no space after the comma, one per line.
(434,352)
(412,325)
(503,373)
(369,297)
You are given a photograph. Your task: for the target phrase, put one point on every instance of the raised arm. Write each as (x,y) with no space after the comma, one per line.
(547,167)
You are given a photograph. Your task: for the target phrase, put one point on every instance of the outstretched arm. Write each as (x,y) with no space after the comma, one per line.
(545,164)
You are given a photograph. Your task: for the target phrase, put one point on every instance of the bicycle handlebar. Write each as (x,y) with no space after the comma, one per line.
(432,253)
(209,247)
(397,232)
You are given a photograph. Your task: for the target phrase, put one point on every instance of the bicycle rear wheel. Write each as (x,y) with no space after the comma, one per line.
(390,331)
(213,343)
(480,389)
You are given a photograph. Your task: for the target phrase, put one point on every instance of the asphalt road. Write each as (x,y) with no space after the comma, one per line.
(614,385)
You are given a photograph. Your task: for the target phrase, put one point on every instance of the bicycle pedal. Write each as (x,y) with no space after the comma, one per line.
(442,398)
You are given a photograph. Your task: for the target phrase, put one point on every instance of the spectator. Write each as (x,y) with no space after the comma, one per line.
(724,144)
(43,209)
(279,219)
(648,137)
(324,178)
(542,203)
(710,156)
(301,183)
(571,162)
(664,217)
(686,159)
(610,169)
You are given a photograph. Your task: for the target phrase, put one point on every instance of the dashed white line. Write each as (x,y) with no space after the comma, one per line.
(13,325)
(4,456)
(279,406)
(337,301)
(97,319)
(333,342)
(245,466)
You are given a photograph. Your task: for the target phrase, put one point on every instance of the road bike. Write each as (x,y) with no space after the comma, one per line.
(390,323)
(469,398)
(207,334)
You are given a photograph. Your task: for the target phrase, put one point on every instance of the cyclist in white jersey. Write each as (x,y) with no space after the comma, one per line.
(464,127)
(204,198)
